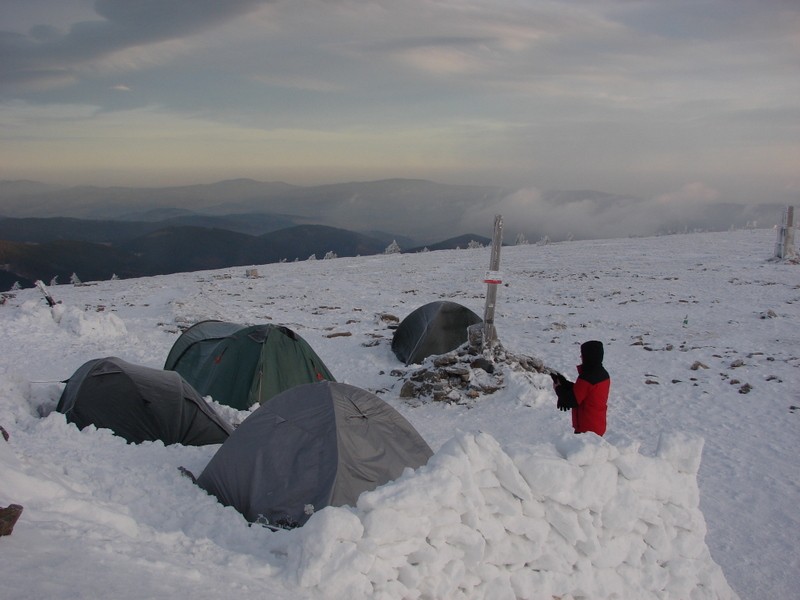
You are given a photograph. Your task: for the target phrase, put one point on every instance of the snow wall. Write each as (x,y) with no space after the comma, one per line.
(576,519)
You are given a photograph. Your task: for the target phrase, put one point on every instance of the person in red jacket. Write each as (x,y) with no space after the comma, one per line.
(587,397)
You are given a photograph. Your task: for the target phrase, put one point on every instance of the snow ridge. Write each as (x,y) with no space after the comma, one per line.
(578,518)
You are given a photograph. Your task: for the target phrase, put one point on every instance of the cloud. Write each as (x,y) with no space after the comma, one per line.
(630,97)
(595,215)
(33,58)
(689,194)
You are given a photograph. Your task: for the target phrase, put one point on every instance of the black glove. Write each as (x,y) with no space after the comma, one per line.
(564,393)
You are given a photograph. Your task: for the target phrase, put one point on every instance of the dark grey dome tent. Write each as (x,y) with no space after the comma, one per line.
(435,328)
(315,445)
(140,404)
(239,365)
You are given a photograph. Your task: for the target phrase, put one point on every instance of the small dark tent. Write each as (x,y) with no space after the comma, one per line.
(315,445)
(435,328)
(241,365)
(140,404)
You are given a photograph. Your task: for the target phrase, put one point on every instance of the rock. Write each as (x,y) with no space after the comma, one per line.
(463,376)
(445,360)
(8,518)
(457,371)
(482,363)
(409,390)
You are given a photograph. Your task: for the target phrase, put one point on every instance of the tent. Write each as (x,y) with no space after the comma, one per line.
(315,445)
(435,328)
(240,365)
(140,404)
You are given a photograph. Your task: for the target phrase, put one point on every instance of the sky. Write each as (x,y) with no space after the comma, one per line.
(639,97)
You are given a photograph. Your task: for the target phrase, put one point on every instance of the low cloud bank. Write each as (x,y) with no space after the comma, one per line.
(596,215)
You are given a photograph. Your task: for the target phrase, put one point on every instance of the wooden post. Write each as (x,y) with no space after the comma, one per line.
(43,288)
(493,279)
(784,247)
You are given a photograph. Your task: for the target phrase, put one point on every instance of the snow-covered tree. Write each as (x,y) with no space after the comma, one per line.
(54,281)
(73,279)
(521,240)
(312,257)
(114,277)
(393,248)
(544,241)
(474,244)
(329,255)
(16,286)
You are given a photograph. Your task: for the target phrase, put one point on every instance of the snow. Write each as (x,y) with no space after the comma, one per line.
(692,493)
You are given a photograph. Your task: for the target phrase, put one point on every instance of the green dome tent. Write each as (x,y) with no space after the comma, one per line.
(434,328)
(240,365)
(140,404)
(315,445)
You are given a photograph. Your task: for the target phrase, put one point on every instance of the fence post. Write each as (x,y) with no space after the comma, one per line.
(784,247)
(492,280)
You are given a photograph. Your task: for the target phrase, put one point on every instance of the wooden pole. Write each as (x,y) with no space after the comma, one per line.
(788,249)
(493,279)
(784,248)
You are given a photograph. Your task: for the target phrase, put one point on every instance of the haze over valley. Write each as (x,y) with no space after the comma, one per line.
(49,231)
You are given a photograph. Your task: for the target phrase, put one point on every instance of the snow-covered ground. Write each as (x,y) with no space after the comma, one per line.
(693,492)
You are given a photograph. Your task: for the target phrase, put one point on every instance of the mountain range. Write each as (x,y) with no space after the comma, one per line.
(96,250)
(410,207)
(53,231)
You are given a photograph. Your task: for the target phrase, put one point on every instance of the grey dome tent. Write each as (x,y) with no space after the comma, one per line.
(140,404)
(240,365)
(435,328)
(315,445)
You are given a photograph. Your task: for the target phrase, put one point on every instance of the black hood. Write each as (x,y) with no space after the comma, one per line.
(592,354)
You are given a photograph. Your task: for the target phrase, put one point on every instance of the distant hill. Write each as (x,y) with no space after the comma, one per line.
(116,231)
(40,231)
(424,210)
(173,250)
(305,240)
(7,281)
(461,241)
(23,187)
(180,249)
(90,261)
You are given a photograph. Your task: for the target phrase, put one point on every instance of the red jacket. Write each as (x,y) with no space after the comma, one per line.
(591,391)
(592,398)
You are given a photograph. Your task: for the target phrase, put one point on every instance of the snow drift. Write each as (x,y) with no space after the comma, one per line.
(579,518)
